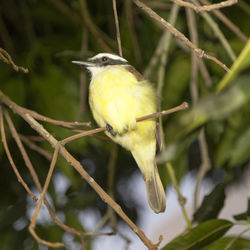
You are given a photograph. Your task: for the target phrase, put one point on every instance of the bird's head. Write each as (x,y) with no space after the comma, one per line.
(101,61)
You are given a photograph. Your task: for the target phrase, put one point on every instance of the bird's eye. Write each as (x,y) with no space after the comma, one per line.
(104,59)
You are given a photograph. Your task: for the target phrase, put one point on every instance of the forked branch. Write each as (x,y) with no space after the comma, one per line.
(208,7)
(79,168)
(176,33)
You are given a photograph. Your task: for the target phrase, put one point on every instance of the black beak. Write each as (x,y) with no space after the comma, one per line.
(84,64)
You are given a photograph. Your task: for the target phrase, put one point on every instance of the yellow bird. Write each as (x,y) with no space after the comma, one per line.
(118,95)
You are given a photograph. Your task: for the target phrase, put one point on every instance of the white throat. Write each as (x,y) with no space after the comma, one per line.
(104,61)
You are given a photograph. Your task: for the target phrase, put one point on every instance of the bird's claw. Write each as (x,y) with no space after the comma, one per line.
(110,129)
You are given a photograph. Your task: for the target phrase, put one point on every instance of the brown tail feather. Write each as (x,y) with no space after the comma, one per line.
(155,192)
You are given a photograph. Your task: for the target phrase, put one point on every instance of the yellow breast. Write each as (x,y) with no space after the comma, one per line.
(117,98)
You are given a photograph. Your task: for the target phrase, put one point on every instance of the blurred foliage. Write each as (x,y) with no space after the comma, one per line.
(211,205)
(244,216)
(45,36)
(199,236)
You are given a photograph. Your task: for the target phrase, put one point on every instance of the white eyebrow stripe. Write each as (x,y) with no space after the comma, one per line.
(111,56)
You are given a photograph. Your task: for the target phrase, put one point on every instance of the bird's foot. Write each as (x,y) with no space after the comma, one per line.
(110,129)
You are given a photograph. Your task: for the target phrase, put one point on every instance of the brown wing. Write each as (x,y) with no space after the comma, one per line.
(158,138)
(137,74)
(139,77)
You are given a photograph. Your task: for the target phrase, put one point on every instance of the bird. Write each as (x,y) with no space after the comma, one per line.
(118,94)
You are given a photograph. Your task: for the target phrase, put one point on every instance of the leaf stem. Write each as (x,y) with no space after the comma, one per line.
(181,198)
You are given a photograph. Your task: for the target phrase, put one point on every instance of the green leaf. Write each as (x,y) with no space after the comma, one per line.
(242,62)
(216,107)
(241,148)
(244,216)
(200,236)
(211,205)
(209,108)
(229,243)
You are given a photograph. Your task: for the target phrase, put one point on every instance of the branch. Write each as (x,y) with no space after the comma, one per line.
(194,91)
(5,57)
(204,167)
(6,148)
(180,107)
(21,147)
(183,106)
(118,36)
(42,197)
(227,22)
(214,26)
(131,29)
(78,167)
(35,176)
(181,199)
(209,7)
(164,53)
(46,154)
(200,53)
(64,124)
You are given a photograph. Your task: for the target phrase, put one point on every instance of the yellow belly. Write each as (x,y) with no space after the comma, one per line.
(117,98)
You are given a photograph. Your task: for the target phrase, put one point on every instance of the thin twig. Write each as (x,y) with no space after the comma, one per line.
(227,22)
(234,239)
(55,122)
(111,182)
(200,53)
(133,33)
(162,67)
(214,26)
(118,35)
(164,53)
(84,133)
(180,107)
(103,220)
(209,7)
(205,74)
(111,169)
(5,57)
(110,215)
(205,165)
(183,106)
(79,168)
(6,148)
(181,199)
(38,185)
(100,137)
(194,60)
(192,27)
(42,197)
(21,147)
(46,154)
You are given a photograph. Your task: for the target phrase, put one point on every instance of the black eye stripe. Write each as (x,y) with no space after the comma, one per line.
(105,61)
